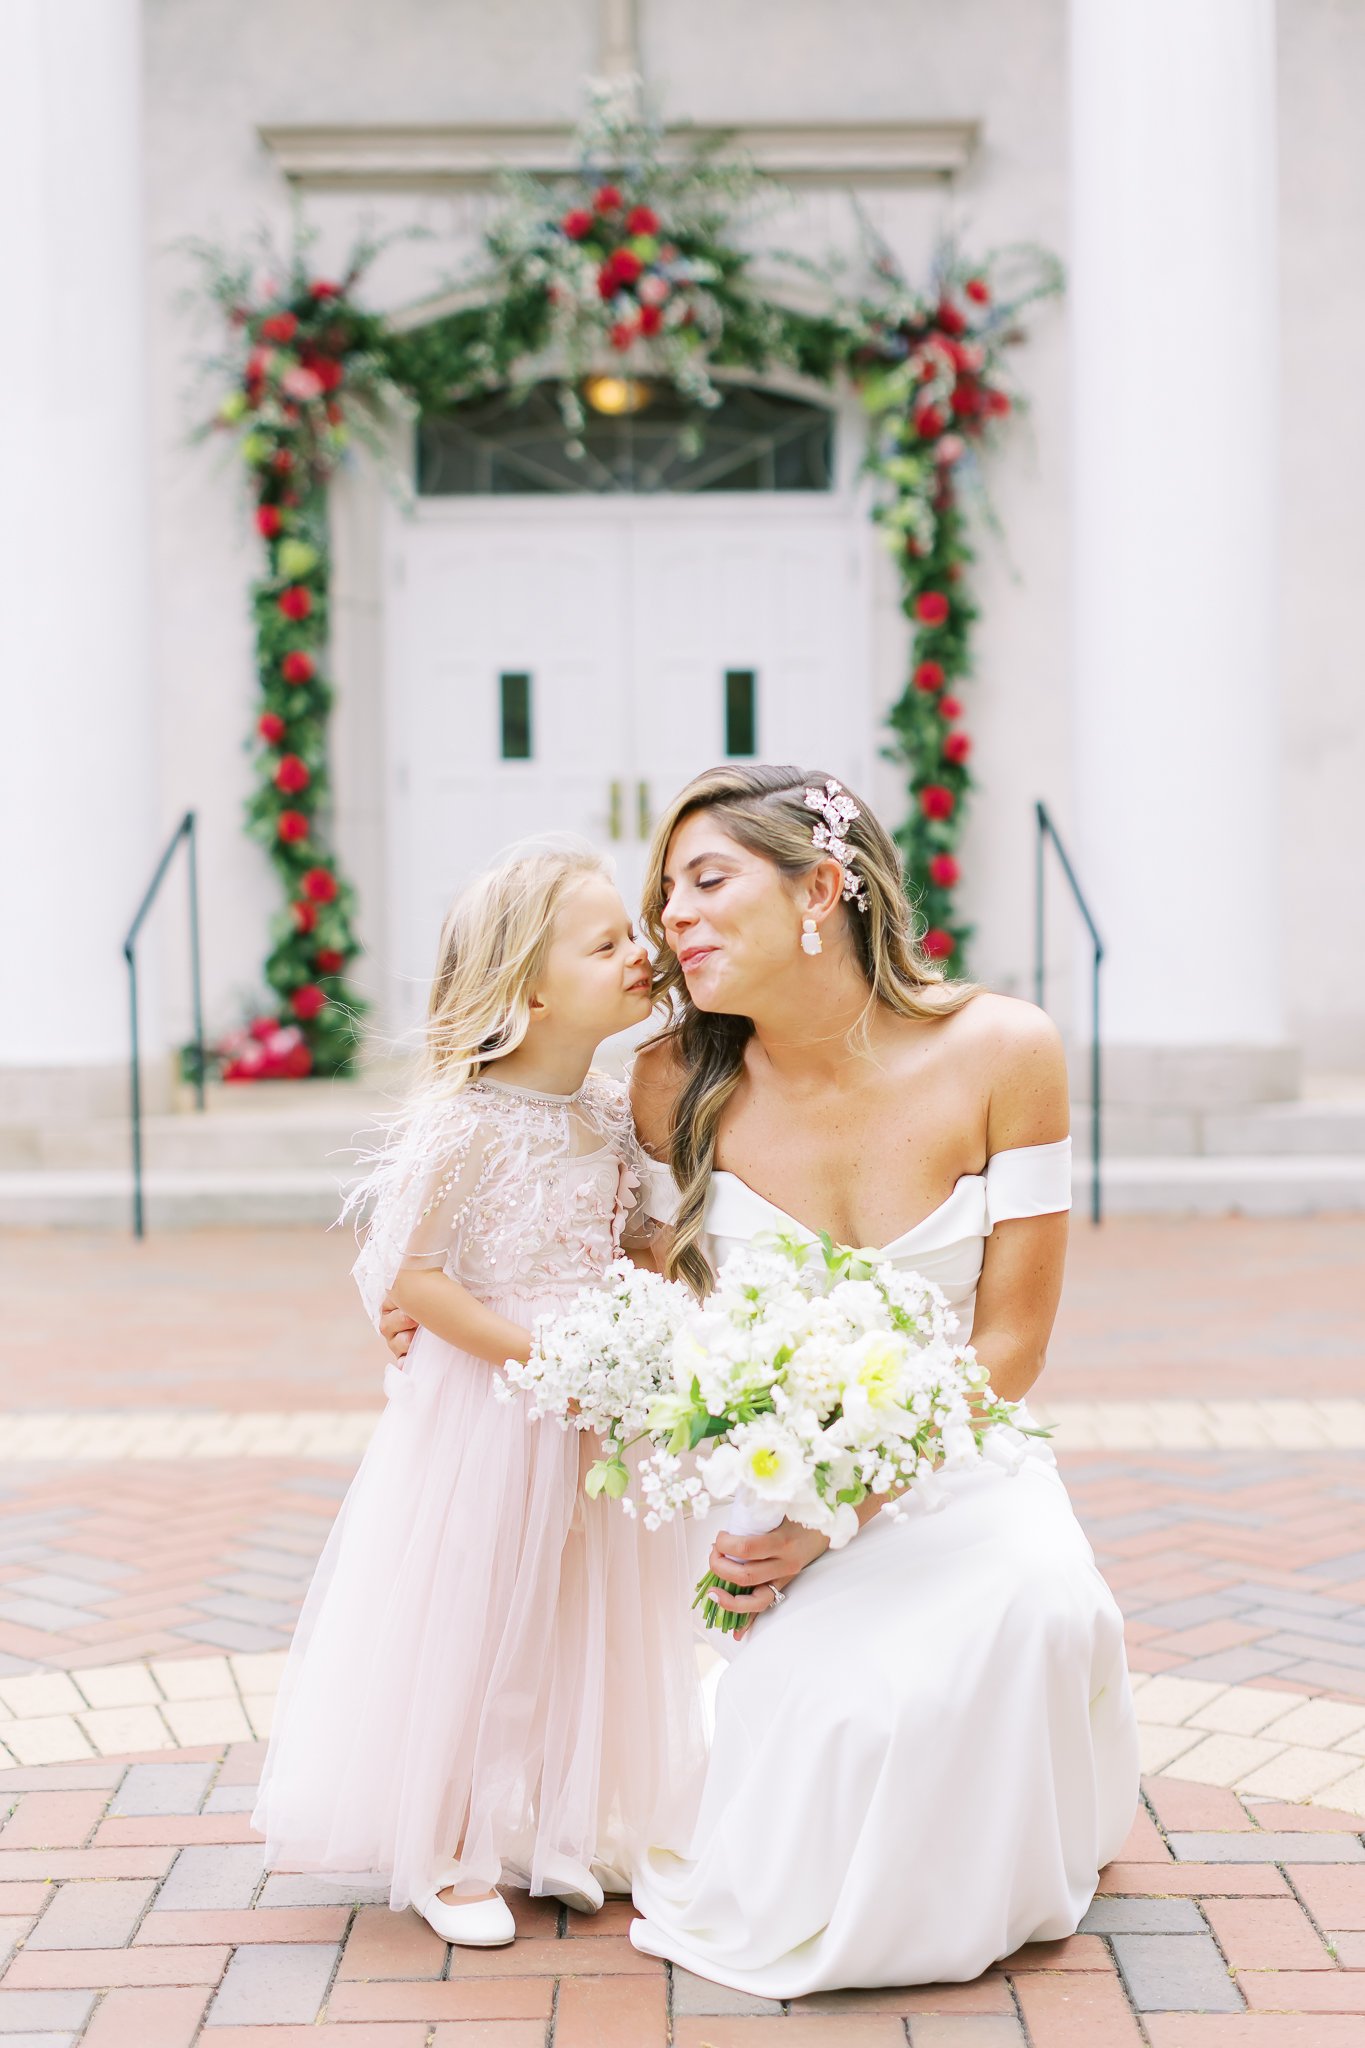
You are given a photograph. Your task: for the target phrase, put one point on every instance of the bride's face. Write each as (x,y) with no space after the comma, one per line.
(729,916)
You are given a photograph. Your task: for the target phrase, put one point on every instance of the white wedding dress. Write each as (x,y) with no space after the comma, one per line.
(924,1757)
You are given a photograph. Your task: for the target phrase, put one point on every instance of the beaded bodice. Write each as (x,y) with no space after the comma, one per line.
(508,1190)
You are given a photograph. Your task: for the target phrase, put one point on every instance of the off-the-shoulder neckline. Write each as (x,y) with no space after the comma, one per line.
(963,1179)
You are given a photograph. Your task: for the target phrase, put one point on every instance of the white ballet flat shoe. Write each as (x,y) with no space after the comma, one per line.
(580,1892)
(470,1923)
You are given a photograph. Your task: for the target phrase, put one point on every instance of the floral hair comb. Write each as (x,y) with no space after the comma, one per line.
(838,810)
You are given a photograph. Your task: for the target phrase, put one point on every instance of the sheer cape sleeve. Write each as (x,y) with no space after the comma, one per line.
(416,1193)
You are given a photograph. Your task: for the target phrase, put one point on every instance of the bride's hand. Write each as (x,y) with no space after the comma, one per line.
(760,1564)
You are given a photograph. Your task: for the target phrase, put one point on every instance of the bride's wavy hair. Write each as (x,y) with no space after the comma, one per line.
(764,808)
(493,946)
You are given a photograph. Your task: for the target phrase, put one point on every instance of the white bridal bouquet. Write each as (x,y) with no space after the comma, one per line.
(816,1374)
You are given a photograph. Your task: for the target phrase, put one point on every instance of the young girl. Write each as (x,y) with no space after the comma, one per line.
(493,1679)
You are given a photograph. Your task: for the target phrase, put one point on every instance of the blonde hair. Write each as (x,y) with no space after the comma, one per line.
(492,952)
(765,810)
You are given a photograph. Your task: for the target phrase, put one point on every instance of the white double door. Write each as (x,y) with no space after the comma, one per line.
(566,668)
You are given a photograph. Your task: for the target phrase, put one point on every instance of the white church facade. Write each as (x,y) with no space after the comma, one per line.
(1167,655)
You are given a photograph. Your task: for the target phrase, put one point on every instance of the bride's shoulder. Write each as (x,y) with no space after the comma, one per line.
(1018,1052)
(656,1080)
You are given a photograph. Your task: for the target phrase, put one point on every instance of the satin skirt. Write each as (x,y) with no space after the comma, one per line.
(921,1760)
(490,1673)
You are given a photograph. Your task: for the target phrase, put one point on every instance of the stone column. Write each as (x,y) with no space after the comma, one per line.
(77,784)
(1174,320)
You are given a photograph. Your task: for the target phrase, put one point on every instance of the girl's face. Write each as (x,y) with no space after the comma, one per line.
(729,916)
(596,979)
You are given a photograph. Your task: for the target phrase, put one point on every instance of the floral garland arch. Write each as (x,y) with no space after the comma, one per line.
(631,260)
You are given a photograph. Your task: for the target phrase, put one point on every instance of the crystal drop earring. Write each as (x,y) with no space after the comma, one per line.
(811,942)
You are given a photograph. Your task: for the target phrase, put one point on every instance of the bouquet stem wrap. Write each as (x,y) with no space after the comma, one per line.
(745,1515)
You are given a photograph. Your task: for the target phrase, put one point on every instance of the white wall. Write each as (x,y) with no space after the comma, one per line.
(220,68)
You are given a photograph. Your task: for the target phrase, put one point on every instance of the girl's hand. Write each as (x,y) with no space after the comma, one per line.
(758,1564)
(395,1328)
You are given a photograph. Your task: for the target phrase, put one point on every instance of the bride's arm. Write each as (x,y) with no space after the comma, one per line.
(1021,1272)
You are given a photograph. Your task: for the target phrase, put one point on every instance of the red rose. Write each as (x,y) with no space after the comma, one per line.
(623,334)
(282,461)
(296,602)
(978,291)
(270,726)
(305,917)
(928,422)
(307,1001)
(606,199)
(995,403)
(279,327)
(606,279)
(651,319)
(966,399)
(269,520)
(950,319)
(321,885)
(329,373)
(627,266)
(576,224)
(292,826)
(956,746)
(297,668)
(912,547)
(298,1062)
(642,220)
(948,707)
(322,289)
(929,676)
(292,775)
(936,801)
(931,608)
(262,1028)
(944,871)
(329,961)
(937,943)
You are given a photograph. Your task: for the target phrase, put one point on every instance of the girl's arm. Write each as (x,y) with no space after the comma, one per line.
(451,1312)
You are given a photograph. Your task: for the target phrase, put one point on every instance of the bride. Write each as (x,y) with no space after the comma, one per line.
(925,1747)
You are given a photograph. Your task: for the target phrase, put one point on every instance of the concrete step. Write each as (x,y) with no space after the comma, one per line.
(197,1198)
(300,1137)
(1230,1184)
(102,1199)
(1271,1128)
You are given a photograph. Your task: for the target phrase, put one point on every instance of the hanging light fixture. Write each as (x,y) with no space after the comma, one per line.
(615,396)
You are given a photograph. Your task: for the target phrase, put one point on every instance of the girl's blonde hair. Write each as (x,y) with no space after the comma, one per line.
(764,808)
(492,952)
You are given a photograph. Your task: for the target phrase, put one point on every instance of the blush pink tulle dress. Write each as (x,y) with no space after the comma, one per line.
(493,1678)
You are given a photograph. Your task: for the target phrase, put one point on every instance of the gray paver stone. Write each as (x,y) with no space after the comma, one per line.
(291,1888)
(1265,1847)
(274,1983)
(1144,1916)
(149,1789)
(91,1914)
(232,1799)
(43,2012)
(1176,1973)
(221,1877)
(695,1995)
(965,2030)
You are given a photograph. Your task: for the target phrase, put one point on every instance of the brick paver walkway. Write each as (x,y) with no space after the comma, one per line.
(177,1422)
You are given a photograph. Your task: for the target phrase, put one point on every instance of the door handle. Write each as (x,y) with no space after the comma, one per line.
(644,820)
(615,799)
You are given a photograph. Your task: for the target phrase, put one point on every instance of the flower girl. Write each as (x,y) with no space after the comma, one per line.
(493,1678)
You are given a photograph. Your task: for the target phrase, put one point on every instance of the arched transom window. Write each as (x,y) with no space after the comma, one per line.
(640,437)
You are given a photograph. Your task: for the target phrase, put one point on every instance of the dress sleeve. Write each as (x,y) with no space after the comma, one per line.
(417,1193)
(1028,1180)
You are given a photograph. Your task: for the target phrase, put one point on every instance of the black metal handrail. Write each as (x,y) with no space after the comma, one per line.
(1047,830)
(184,830)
